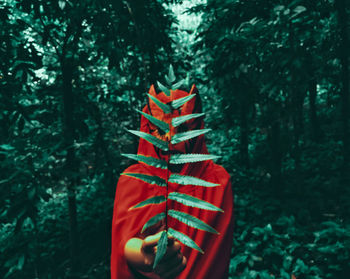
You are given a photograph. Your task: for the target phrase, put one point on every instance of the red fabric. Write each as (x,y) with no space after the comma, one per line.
(130,191)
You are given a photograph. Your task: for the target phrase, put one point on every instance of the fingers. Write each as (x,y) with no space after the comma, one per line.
(151,241)
(171,260)
(175,270)
(172,251)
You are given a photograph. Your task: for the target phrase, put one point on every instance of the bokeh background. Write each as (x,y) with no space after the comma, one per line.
(274,79)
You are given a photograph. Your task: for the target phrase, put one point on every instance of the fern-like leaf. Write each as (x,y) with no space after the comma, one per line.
(163,88)
(191,221)
(177,121)
(151,179)
(159,123)
(190,180)
(192,201)
(190,158)
(147,160)
(164,107)
(188,135)
(161,248)
(179,102)
(170,78)
(178,84)
(154,220)
(152,139)
(152,200)
(184,239)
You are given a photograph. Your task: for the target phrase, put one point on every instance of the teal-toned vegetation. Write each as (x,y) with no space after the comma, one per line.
(274,79)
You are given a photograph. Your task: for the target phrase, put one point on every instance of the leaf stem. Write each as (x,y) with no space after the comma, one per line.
(167,186)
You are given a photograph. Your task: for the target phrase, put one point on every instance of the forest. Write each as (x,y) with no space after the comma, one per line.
(274,79)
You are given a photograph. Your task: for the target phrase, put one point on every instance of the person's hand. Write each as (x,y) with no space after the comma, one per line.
(140,255)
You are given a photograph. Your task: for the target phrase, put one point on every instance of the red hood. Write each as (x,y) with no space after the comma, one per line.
(192,106)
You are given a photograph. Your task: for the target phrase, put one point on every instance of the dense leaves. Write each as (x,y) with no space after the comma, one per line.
(274,80)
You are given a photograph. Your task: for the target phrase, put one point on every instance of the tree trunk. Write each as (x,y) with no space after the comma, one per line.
(343,55)
(276,156)
(315,125)
(71,164)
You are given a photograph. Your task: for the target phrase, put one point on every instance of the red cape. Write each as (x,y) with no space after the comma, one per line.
(127,223)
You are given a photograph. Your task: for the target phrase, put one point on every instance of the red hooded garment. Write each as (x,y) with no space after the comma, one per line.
(214,263)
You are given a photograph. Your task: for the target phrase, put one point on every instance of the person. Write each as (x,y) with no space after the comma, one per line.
(133,251)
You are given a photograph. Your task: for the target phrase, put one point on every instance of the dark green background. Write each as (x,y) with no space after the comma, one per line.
(274,79)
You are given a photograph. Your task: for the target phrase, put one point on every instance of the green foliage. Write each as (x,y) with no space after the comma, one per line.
(159,123)
(147,160)
(184,239)
(179,102)
(177,121)
(191,221)
(188,135)
(185,218)
(161,248)
(191,158)
(271,77)
(152,139)
(152,200)
(163,88)
(164,107)
(190,180)
(192,201)
(170,78)
(147,178)
(154,220)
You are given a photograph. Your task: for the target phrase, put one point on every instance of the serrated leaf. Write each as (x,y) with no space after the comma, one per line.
(151,179)
(163,88)
(154,220)
(161,248)
(147,160)
(178,84)
(190,158)
(177,121)
(191,221)
(170,78)
(152,200)
(179,102)
(192,201)
(184,239)
(190,180)
(159,123)
(164,107)
(188,135)
(152,139)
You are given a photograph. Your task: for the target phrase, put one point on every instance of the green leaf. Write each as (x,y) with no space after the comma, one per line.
(151,179)
(159,123)
(192,201)
(190,158)
(163,88)
(177,121)
(188,135)
(164,107)
(170,78)
(147,160)
(154,220)
(190,180)
(191,221)
(152,139)
(179,102)
(6,147)
(161,248)
(178,84)
(152,200)
(184,239)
